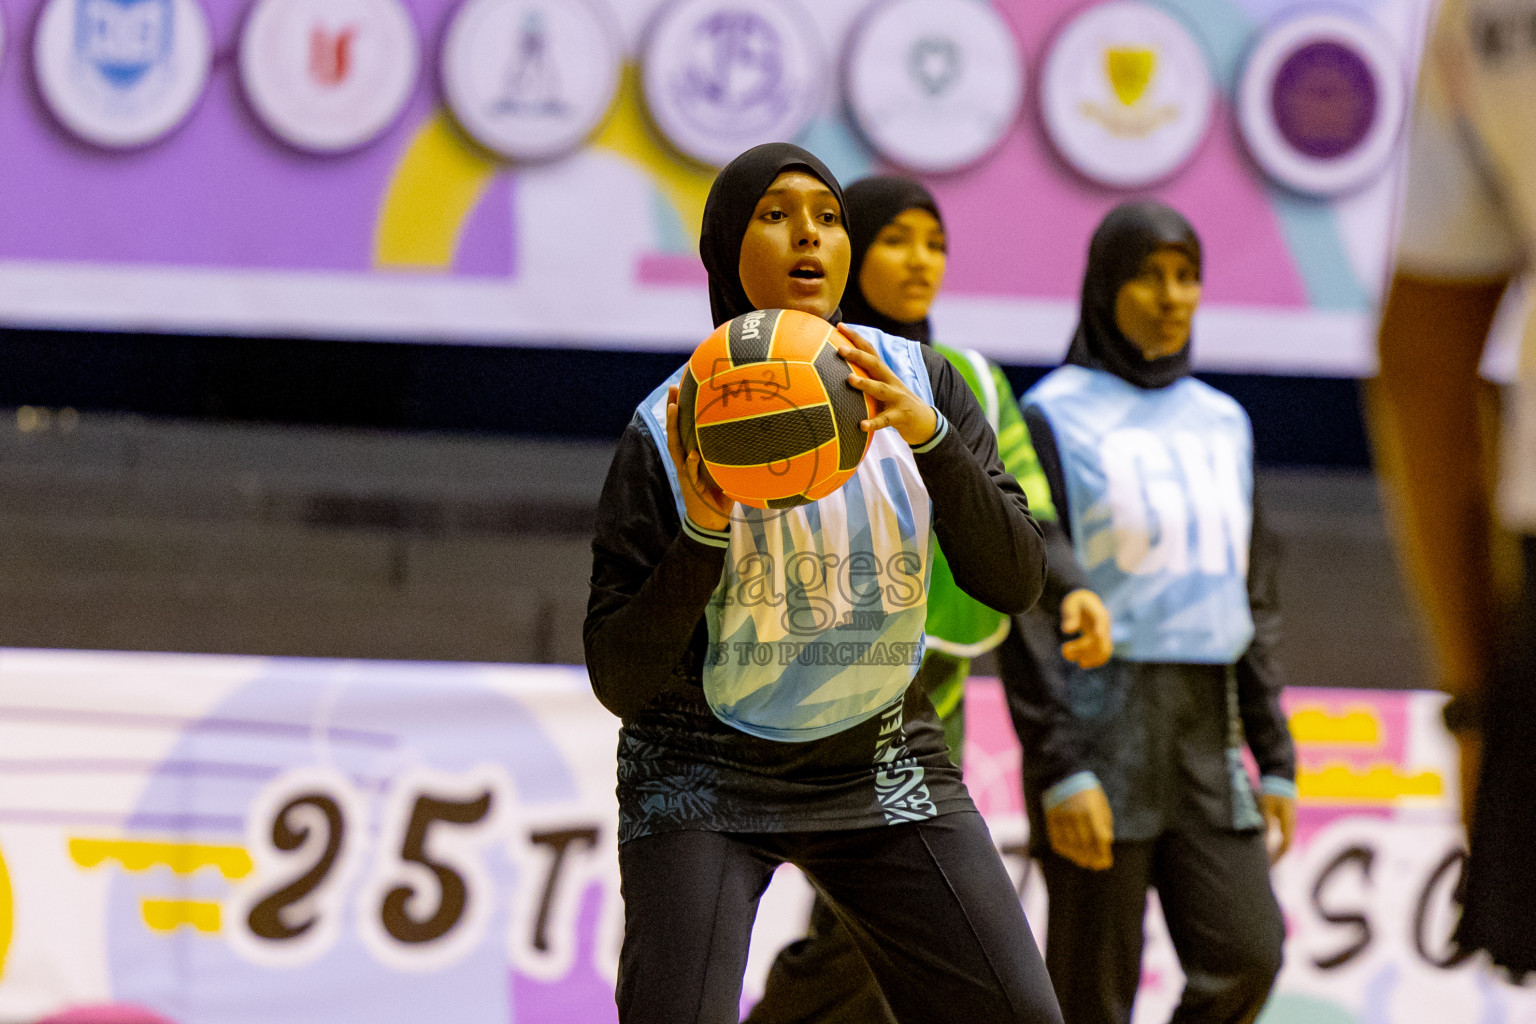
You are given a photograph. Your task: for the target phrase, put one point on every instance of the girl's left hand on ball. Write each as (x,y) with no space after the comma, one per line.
(915,420)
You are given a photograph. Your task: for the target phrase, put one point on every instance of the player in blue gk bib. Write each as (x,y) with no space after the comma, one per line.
(1134,774)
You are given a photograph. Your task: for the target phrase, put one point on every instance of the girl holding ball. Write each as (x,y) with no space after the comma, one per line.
(840,769)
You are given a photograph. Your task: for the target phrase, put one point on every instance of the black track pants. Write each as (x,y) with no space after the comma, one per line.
(821,979)
(1221,913)
(928,904)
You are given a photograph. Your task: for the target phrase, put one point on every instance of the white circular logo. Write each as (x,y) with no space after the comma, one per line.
(722,76)
(122,72)
(1126,94)
(1321,102)
(934,84)
(328,75)
(530,79)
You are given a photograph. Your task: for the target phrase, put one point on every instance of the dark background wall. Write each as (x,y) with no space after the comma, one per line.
(506,390)
(283,496)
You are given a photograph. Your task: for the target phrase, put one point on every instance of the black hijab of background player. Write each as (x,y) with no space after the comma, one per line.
(874,203)
(1127,236)
(728,210)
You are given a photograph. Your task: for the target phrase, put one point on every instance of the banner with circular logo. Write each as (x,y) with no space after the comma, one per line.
(122,73)
(934,84)
(530,79)
(328,75)
(1126,94)
(722,76)
(1321,102)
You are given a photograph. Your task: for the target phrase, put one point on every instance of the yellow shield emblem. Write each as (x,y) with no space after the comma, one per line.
(1129,70)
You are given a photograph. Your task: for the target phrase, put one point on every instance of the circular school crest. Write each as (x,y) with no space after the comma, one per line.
(1321,102)
(1126,94)
(934,85)
(530,79)
(121,73)
(328,75)
(721,76)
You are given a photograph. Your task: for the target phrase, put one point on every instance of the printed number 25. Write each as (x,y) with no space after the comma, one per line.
(290,833)
(313,837)
(452,892)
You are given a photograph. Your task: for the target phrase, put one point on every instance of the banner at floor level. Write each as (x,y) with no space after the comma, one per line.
(208,840)
(1367,889)
(529,171)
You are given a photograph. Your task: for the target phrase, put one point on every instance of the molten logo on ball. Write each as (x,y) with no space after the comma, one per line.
(767,403)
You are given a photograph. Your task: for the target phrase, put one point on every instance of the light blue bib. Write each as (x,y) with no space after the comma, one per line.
(1160,491)
(817,622)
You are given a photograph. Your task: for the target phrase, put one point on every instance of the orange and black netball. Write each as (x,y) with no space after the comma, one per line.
(766,402)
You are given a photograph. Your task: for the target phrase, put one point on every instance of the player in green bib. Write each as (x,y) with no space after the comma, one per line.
(959,627)
(899,256)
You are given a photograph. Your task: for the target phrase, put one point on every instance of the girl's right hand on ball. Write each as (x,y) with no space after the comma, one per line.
(705,503)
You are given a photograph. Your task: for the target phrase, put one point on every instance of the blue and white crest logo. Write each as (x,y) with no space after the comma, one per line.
(124,39)
(121,72)
(723,75)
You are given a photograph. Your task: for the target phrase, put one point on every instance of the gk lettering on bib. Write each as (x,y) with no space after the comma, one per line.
(1160,497)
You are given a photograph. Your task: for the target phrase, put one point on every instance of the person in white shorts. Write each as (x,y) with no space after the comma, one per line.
(1468,228)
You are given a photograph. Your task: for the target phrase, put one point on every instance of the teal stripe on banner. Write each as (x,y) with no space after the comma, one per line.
(1223,28)
(1312,234)
(671,236)
(1310,227)
(839,148)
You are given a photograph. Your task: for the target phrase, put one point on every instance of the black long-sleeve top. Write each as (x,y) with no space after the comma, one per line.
(646,640)
(1169,711)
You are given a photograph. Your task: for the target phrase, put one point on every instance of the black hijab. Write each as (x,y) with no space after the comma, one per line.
(872,204)
(1131,233)
(728,211)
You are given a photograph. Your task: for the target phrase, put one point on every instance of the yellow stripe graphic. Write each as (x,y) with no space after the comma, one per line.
(628,133)
(1379,784)
(442,177)
(7,914)
(1358,726)
(168,915)
(435,186)
(140,855)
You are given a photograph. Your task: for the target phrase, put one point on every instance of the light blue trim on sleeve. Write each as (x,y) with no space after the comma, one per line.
(938,435)
(1069,787)
(714,538)
(1274,785)
(653,414)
